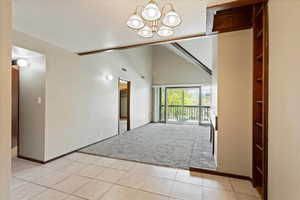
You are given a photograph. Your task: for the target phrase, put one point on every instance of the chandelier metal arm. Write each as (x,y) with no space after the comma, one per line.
(164,8)
(137,9)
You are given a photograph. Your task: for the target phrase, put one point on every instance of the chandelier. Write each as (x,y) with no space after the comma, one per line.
(150,19)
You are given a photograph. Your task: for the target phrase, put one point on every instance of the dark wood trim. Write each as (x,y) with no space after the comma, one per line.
(232,16)
(233,19)
(260,98)
(266,98)
(230,29)
(31,159)
(15,78)
(166,105)
(58,157)
(193,58)
(128,105)
(213,172)
(141,44)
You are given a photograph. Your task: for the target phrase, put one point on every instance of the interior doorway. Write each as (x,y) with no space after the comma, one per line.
(124,106)
(28,105)
(15,83)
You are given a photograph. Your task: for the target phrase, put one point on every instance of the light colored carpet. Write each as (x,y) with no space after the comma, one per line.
(162,144)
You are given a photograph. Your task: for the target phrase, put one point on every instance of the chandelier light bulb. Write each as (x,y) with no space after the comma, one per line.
(151,19)
(146,32)
(171,19)
(151,12)
(135,22)
(165,31)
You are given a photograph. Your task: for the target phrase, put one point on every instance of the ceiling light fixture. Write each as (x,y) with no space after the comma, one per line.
(109,77)
(151,19)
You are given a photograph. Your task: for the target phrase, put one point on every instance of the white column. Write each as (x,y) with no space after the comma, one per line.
(5,97)
(284,98)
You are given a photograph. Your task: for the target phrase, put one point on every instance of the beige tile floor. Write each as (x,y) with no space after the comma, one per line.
(85,177)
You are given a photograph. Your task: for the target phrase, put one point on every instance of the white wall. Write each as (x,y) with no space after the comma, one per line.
(216,2)
(5,97)
(284,98)
(81,105)
(171,69)
(235,102)
(32,112)
(214,91)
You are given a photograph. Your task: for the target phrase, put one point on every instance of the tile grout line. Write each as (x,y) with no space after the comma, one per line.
(131,170)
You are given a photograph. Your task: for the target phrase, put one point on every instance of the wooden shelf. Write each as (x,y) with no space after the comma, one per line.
(259,124)
(260,170)
(260,95)
(259,147)
(259,34)
(259,80)
(260,10)
(259,57)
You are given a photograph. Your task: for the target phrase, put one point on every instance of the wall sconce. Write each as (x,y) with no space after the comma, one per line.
(22,62)
(109,77)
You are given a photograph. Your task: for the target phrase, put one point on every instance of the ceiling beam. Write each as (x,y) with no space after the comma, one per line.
(142,44)
(193,58)
(232,16)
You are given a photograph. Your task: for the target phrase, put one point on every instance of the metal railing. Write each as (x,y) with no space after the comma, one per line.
(178,113)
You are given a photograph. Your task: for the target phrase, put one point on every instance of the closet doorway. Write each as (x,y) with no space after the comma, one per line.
(124,106)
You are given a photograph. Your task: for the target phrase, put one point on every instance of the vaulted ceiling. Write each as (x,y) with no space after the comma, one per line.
(201,48)
(85,25)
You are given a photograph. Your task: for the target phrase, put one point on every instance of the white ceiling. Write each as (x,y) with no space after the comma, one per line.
(18,52)
(201,48)
(179,53)
(84,25)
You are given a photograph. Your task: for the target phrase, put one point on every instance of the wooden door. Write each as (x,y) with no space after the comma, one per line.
(15,106)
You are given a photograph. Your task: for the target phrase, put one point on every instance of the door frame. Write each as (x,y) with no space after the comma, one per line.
(128,104)
(15,80)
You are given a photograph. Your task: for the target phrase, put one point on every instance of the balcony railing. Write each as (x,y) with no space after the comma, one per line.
(186,114)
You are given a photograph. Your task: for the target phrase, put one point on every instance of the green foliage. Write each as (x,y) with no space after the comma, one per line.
(187,97)
(178,98)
